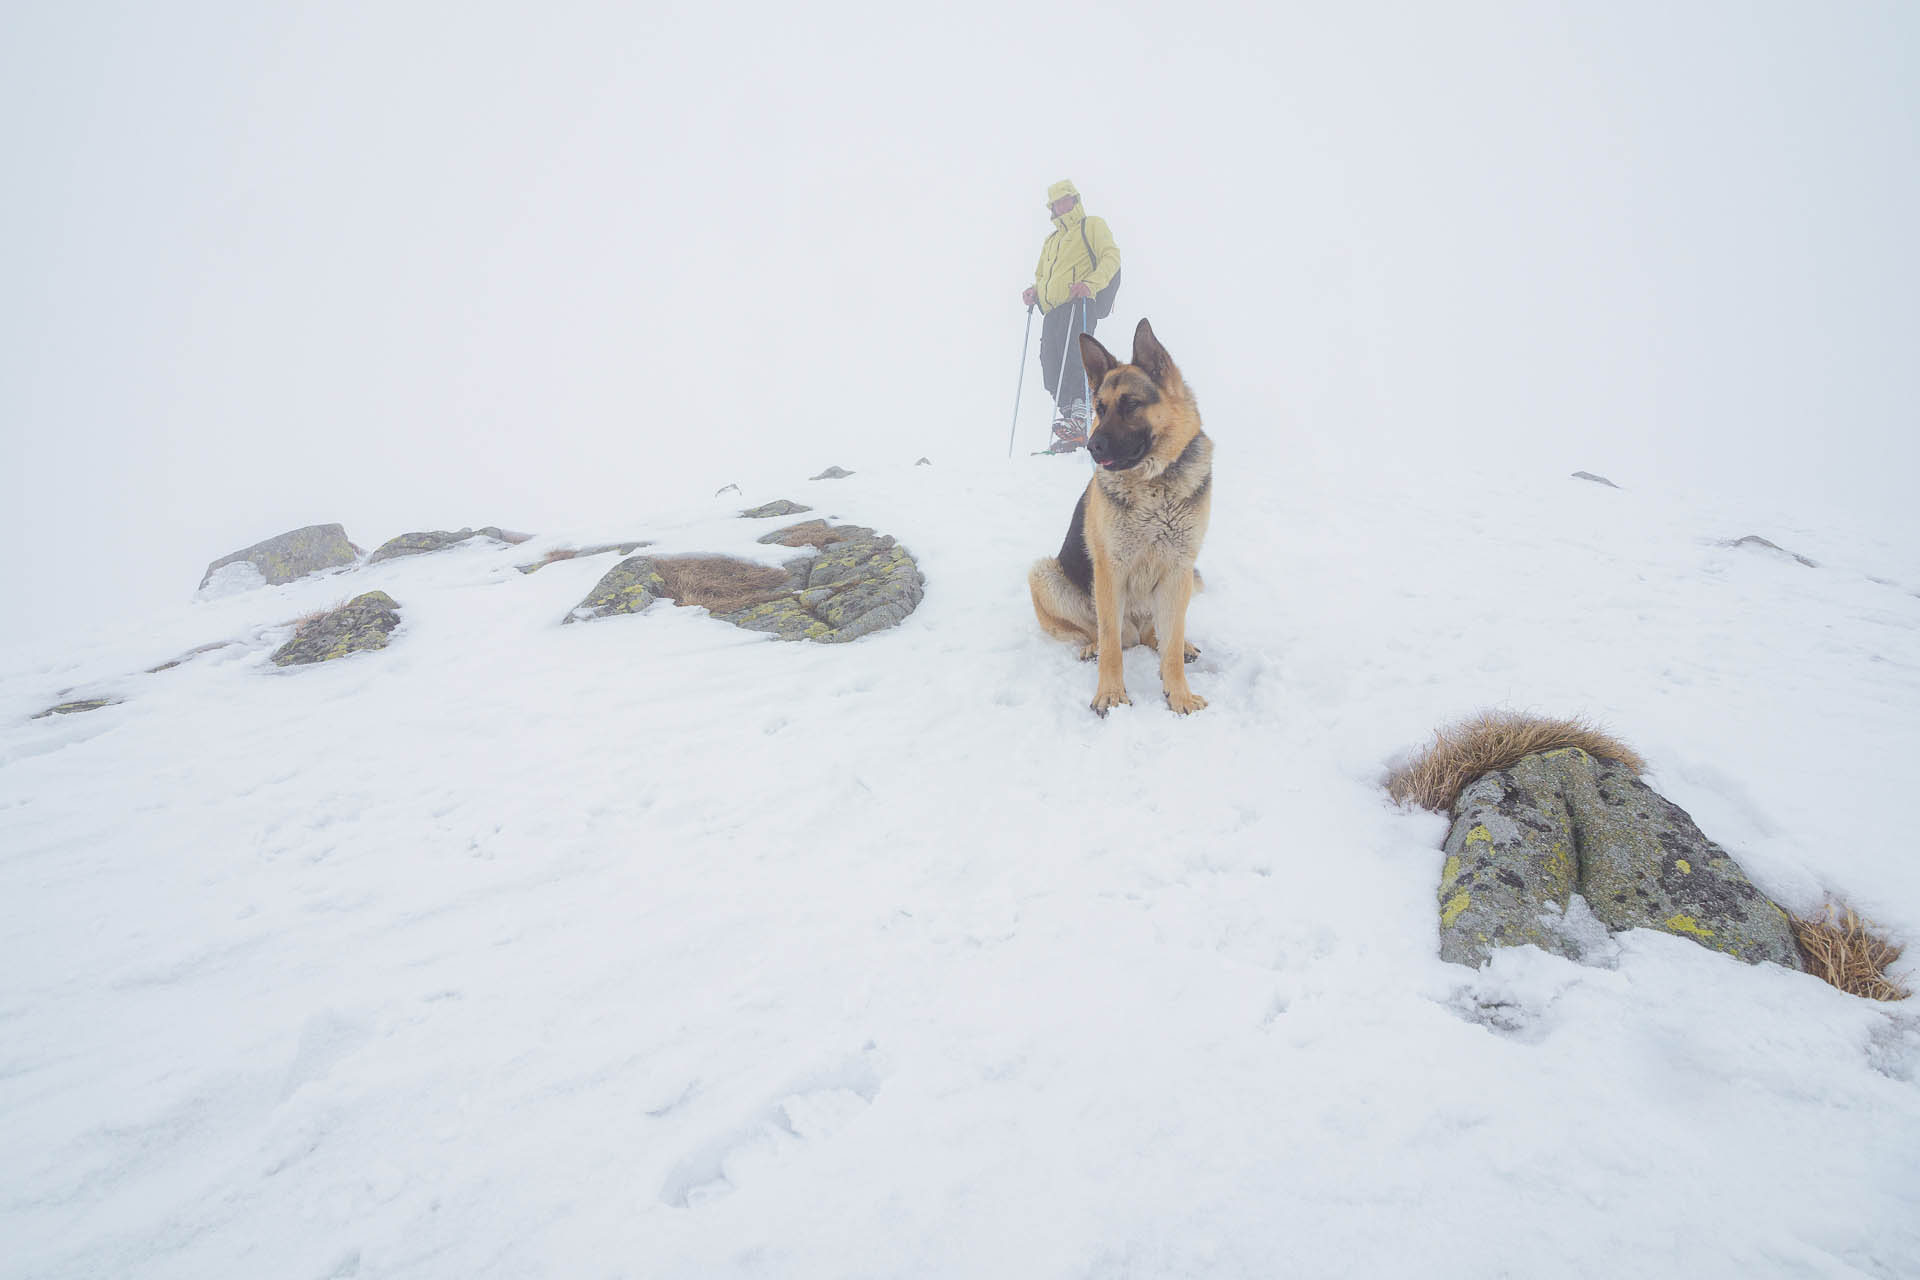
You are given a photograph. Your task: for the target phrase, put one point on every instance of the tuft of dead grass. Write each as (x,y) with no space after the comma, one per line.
(810,533)
(1843,950)
(1493,740)
(720,583)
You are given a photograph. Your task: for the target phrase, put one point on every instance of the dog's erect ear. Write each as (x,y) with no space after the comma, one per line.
(1151,357)
(1098,359)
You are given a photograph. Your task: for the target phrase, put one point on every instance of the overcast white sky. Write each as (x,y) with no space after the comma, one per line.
(410,265)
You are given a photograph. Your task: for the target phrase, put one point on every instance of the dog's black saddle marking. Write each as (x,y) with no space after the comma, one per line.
(1074,560)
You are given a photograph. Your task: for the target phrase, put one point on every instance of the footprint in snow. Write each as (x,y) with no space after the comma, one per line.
(812,1109)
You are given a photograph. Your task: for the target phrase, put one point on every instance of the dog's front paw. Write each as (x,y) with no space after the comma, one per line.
(1089,652)
(1185,702)
(1105,700)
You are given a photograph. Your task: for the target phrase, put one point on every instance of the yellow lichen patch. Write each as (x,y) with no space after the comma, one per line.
(1455,905)
(1560,860)
(1686,868)
(1450,872)
(1687,924)
(1480,835)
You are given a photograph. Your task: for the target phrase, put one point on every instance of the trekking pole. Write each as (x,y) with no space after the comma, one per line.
(1022,381)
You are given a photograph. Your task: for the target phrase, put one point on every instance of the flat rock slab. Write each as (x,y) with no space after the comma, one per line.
(363,622)
(75,707)
(291,555)
(1526,839)
(577,553)
(778,507)
(1759,543)
(859,583)
(421,543)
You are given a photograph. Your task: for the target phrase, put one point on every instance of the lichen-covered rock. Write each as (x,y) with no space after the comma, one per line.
(859,583)
(786,618)
(1525,839)
(74,707)
(291,555)
(420,543)
(363,622)
(779,507)
(628,587)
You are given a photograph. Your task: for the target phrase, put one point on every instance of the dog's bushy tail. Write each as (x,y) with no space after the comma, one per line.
(1493,740)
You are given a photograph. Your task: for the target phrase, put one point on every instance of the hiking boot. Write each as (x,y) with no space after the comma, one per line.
(1070,428)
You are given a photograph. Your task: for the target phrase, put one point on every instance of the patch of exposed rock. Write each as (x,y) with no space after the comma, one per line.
(291,555)
(859,583)
(1527,838)
(576,553)
(430,540)
(76,706)
(832,473)
(1755,540)
(779,507)
(363,622)
(628,587)
(1588,475)
(188,656)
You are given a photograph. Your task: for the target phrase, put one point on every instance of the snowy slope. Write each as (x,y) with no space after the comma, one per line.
(654,948)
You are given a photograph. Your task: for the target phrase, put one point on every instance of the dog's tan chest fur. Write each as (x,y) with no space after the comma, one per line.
(1157,524)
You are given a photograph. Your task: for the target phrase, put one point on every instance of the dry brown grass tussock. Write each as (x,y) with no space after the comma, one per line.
(1842,949)
(720,583)
(812,533)
(1494,740)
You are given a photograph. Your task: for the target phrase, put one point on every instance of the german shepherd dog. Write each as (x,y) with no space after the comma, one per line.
(1125,573)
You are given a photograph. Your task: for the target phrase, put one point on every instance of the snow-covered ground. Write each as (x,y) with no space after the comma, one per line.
(655,948)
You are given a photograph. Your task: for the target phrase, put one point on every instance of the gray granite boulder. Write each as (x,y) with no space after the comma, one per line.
(292,555)
(628,587)
(1527,838)
(859,583)
(419,544)
(363,622)
(778,507)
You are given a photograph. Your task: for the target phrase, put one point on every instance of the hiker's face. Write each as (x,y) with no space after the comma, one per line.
(1063,204)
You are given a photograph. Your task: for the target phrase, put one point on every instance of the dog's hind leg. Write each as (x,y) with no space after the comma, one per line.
(1065,612)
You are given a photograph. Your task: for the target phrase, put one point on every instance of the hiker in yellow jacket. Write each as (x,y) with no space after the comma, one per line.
(1074,287)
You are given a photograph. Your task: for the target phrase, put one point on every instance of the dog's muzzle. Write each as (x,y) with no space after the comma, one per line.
(1118,451)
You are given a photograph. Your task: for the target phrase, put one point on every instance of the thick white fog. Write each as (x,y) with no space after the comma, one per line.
(423,265)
